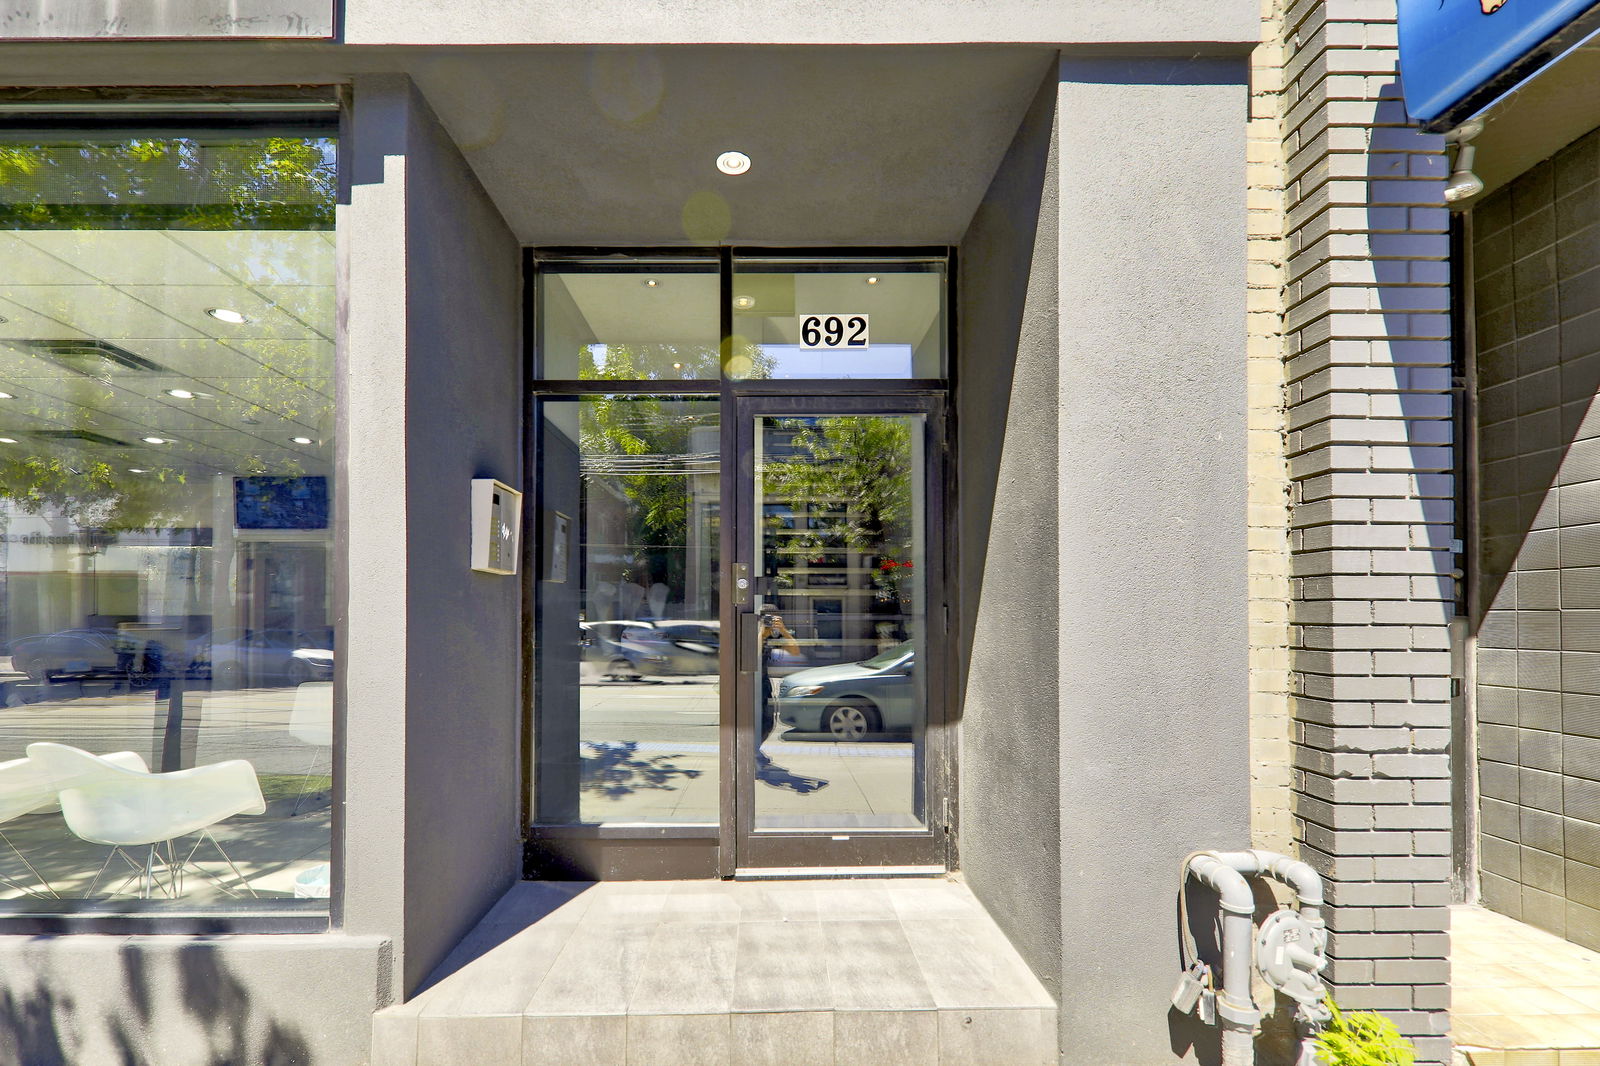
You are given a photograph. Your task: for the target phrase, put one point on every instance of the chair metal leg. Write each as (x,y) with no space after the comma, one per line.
(47,886)
(305,785)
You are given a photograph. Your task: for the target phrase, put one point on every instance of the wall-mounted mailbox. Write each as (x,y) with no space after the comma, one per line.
(496,526)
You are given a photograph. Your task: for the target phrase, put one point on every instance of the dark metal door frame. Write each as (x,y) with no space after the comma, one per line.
(743,847)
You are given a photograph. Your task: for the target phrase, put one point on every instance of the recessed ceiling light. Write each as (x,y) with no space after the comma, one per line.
(227,314)
(137,470)
(651,283)
(872,280)
(182,394)
(8,440)
(733,163)
(677,366)
(154,440)
(6,396)
(744,303)
(301,440)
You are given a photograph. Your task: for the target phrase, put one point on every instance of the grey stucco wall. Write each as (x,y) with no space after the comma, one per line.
(183,1001)
(434,379)
(1102,443)
(1152,611)
(1536,281)
(1007,577)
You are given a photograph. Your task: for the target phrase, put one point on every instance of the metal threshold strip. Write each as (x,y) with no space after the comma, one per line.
(833,873)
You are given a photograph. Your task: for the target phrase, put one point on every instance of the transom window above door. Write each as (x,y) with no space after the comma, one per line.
(739,317)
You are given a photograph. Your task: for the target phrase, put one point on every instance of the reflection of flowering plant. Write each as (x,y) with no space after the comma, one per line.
(888,575)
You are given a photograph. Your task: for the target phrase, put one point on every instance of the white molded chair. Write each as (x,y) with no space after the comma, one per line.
(311,722)
(25,787)
(121,807)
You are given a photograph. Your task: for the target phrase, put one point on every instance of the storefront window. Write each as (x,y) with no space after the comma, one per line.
(166,484)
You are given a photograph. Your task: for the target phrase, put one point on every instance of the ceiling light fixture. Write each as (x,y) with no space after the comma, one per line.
(651,283)
(228,315)
(872,280)
(734,163)
(301,440)
(154,440)
(744,303)
(8,440)
(137,470)
(181,394)
(6,396)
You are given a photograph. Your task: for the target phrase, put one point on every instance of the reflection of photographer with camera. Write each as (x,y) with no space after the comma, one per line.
(774,635)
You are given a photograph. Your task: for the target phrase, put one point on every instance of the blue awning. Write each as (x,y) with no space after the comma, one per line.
(1457,56)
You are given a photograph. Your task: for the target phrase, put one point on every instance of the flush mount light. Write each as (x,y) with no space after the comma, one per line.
(651,283)
(301,440)
(228,315)
(8,440)
(744,303)
(677,366)
(181,394)
(6,396)
(872,280)
(154,440)
(733,163)
(137,470)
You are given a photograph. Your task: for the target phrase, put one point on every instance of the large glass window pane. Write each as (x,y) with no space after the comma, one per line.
(841,539)
(628,634)
(646,321)
(166,481)
(838,319)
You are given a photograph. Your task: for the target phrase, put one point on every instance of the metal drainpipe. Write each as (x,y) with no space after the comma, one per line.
(1236,1009)
(1307,885)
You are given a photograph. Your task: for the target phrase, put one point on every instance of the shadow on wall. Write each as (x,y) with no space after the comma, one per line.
(215,1019)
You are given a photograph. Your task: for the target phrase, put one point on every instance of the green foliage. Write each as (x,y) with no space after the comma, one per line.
(860,459)
(1363,1038)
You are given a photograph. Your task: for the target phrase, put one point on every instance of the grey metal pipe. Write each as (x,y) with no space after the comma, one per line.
(1236,1009)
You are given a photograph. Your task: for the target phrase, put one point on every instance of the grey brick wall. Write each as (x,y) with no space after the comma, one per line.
(1536,283)
(1367,342)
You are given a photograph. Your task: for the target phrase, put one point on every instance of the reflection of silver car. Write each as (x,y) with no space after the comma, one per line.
(671,647)
(850,700)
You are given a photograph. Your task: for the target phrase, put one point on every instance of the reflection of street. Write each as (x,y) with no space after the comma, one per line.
(253,724)
(650,750)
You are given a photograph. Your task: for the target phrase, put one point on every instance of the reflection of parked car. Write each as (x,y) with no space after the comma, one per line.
(601,643)
(672,647)
(850,700)
(78,652)
(265,657)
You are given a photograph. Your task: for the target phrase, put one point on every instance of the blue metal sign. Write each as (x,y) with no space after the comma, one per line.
(1458,55)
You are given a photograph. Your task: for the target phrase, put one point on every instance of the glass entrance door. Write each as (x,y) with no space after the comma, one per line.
(836,553)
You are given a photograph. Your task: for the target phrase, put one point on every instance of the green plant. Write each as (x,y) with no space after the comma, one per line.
(1363,1038)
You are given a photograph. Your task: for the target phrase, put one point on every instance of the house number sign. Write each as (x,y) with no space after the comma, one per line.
(833,331)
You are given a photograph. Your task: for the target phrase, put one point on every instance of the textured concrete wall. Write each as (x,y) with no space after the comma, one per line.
(1536,279)
(183,1001)
(433,399)
(835,22)
(1008,574)
(1370,459)
(1151,538)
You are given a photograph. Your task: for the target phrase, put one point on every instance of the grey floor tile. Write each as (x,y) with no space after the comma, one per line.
(969,963)
(394,1038)
(480,1040)
(933,898)
(680,1040)
(780,966)
(795,1038)
(504,979)
(871,967)
(886,1038)
(777,903)
(593,1040)
(997,1037)
(688,968)
(595,968)
(853,901)
(697,901)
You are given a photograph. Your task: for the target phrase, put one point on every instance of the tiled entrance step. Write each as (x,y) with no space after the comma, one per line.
(717,973)
(1521,996)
